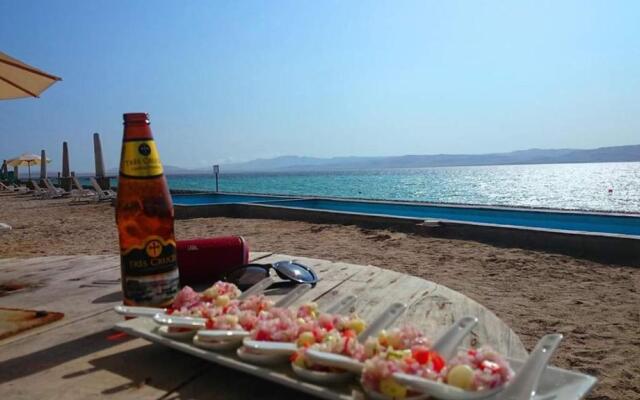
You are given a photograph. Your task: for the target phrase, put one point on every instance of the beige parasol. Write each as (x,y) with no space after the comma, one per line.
(18,79)
(26,159)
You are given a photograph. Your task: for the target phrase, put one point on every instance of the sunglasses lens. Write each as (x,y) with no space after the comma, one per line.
(248,276)
(294,272)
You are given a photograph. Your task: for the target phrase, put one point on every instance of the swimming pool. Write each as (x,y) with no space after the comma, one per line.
(557,220)
(568,221)
(602,237)
(534,219)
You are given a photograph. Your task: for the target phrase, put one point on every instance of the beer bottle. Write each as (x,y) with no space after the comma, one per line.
(144,214)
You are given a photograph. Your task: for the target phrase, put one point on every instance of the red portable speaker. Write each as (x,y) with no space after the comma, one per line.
(206,260)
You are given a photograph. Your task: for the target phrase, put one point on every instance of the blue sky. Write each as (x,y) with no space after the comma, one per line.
(238,80)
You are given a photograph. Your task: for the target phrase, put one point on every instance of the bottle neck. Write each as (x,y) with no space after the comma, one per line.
(139,158)
(137,131)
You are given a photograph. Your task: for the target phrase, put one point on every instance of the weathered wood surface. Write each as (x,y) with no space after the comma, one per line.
(431,307)
(80,357)
(82,287)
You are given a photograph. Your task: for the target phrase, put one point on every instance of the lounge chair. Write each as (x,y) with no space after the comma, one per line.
(45,193)
(4,227)
(79,193)
(14,189)
(103,194)
(39,191)
(7,189)
(22,189)
(54,191)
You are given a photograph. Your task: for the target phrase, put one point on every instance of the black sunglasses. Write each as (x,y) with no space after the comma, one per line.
(292,272)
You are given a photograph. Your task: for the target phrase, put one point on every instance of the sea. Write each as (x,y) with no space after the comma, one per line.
(613,187)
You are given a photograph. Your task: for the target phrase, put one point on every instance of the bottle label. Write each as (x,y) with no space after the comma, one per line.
(140,159)
(156,256)
(155,290)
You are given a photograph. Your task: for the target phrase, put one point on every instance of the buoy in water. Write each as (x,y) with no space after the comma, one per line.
(610,190)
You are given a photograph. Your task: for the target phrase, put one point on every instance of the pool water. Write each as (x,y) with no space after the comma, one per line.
(534,219)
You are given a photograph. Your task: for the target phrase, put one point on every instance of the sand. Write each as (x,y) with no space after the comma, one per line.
(596,306)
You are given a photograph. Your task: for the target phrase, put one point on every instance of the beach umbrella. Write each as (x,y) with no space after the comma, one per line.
(26,159)
(18,79)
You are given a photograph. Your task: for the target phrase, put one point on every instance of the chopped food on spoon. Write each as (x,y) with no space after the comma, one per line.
(398,339)
(419,360)
(219,289)
(185,299)
(477,370)
(238,314)
(336,334)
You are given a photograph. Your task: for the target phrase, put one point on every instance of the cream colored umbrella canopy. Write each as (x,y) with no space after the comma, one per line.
(26,159)
(18,79)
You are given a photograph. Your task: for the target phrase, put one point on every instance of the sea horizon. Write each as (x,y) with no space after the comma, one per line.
(606,187)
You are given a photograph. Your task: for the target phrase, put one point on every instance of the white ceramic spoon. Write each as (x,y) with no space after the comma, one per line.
(322,377)
(288,348)
(342,306)
(449,341)
(293,295)
(175,334)
(270,353)
(219,339)
(213,335)
(170,321)
(260,358)
(133,311)
(215,345)
(522,387)
(384,320)
(372,394)
(176,321)
(258,288)
(150,312)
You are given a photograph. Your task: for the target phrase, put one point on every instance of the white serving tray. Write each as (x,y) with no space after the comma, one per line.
(556,383)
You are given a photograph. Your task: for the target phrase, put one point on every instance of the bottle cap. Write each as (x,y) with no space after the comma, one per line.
(136,118)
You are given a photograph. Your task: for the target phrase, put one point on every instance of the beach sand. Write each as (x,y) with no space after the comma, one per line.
(596,306)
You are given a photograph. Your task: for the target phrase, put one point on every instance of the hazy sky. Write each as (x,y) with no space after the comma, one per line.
(238,80)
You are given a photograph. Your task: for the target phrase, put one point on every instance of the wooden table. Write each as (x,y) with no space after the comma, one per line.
(80,356)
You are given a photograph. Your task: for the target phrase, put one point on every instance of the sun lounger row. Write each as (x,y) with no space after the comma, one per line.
(102,194)
(13,188)
(49,191)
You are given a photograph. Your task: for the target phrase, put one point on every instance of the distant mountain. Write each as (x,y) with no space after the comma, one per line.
(289,162)
(531,156)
